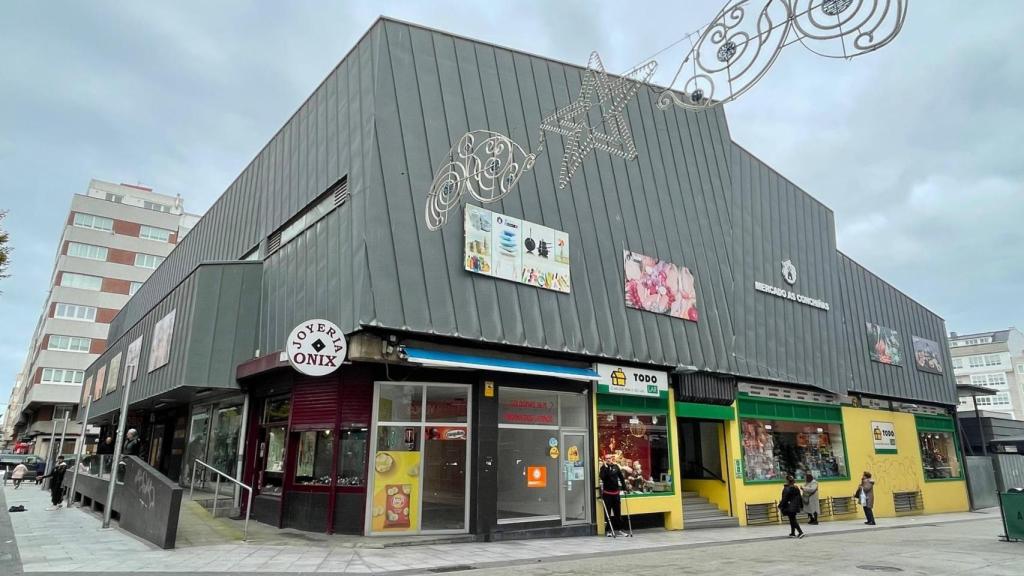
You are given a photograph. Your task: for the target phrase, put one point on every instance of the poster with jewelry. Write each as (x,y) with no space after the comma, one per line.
(517,250)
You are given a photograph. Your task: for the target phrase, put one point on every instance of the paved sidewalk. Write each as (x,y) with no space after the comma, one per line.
(72,541)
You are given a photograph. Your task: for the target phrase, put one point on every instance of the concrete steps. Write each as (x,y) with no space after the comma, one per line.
(699,513)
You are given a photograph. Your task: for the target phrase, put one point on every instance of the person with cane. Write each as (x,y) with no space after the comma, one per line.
(612,485)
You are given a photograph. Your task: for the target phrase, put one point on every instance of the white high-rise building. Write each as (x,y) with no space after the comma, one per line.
(992,360)
(114,236)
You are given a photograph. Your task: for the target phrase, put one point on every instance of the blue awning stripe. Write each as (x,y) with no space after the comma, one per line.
(450,359)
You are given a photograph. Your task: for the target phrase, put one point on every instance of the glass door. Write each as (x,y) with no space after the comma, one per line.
(573,472)
(198,436)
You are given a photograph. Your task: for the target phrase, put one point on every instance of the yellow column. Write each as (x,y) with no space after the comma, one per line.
(674,517)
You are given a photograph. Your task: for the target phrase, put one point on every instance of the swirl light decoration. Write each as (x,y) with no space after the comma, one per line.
(486,164)
(742,43)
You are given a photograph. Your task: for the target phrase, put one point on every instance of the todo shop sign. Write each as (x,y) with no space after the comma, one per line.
(884,436)
(316,347)
(632,381)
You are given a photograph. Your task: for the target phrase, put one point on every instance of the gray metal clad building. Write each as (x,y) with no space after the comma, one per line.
(329,218)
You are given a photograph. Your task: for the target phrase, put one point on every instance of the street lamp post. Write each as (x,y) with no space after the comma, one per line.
(121,421)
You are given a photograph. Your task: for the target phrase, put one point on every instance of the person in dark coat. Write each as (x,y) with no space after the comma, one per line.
(106,446)
(790,505)
(132,443)
(40,470)
(613,482)
(56,477)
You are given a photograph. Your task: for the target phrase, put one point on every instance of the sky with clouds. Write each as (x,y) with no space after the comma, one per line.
(915,147)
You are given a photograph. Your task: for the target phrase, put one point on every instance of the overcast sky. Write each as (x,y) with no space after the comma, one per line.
(916,147)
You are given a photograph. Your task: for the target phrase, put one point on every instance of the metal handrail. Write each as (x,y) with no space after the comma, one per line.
(248,507)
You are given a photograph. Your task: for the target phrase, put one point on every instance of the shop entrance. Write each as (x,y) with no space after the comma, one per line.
(575,496)
(420,447)
(213,438)
(704,467)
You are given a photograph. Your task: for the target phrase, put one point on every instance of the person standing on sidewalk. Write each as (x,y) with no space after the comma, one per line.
(866,495)
(56,477)
(810,498)
(18,474)
(132,444)
(612,484)
(790,504)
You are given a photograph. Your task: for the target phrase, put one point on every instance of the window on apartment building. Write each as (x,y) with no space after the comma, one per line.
(83,281)
(156,206)
(93,222)
(75,312)
(119,198)
(993,380)
(62,376)
(993,360)
(148,260)
(89,251)
(1020,368)
(134,288)
(154,233)
(69,343)
(958,362)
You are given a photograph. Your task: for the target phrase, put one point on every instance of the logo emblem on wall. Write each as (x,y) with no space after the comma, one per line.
(618,378)
(316,347)
(789,272)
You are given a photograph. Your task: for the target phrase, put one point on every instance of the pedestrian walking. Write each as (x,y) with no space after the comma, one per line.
(790,505)
(612,484)
(56,477)
(866,496)
(809,492)
(18,474)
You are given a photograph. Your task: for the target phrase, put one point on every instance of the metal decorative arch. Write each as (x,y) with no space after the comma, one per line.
(485,164)
(742,43)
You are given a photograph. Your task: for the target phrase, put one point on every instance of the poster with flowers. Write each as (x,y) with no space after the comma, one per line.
(660,287)
(884,345)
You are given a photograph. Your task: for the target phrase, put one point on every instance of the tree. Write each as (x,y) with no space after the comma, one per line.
(5,250)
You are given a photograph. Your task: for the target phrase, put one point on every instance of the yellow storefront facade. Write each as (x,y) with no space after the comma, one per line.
(914,458)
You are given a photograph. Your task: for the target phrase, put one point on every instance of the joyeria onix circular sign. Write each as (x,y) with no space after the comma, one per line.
(316,347)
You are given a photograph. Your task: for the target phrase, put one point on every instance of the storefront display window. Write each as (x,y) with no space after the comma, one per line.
(313,461)
(939,455)
(352,460)
(277,409)
(399,403)
(447,404)
(772,449)
(274,463)
(639,444)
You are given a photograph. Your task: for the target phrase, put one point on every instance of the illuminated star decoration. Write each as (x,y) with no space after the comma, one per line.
(611,94)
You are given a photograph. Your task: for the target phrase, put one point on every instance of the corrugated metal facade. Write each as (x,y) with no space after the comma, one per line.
(386,117)
(778,339)
(216,312)
(867,298)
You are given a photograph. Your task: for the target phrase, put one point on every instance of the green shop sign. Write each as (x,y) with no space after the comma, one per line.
(1012,506)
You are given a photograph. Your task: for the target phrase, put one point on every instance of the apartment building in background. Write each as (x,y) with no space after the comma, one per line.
(993,360)
(114,236)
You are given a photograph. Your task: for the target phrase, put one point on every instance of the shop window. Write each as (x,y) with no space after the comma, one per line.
(939,455)
(447,403)
(772,449)
(639,444)
(528,407)
(527,475)
(277,410)
(273,468)
(313,461)
(399,403)
(573,410)
(352,460)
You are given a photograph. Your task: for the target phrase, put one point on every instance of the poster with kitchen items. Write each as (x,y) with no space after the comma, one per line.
(517,250)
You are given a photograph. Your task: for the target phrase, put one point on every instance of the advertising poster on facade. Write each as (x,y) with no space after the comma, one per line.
(396,492)
(883,434)
(160,349)
(516,250)
(884,345)
(97,390)
(660,287)
(927,356)
(86,390)
(131,360)
(115,369)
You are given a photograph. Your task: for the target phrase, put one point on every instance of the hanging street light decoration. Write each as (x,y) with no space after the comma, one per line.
(610,94)
(486,164)
(742,43)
